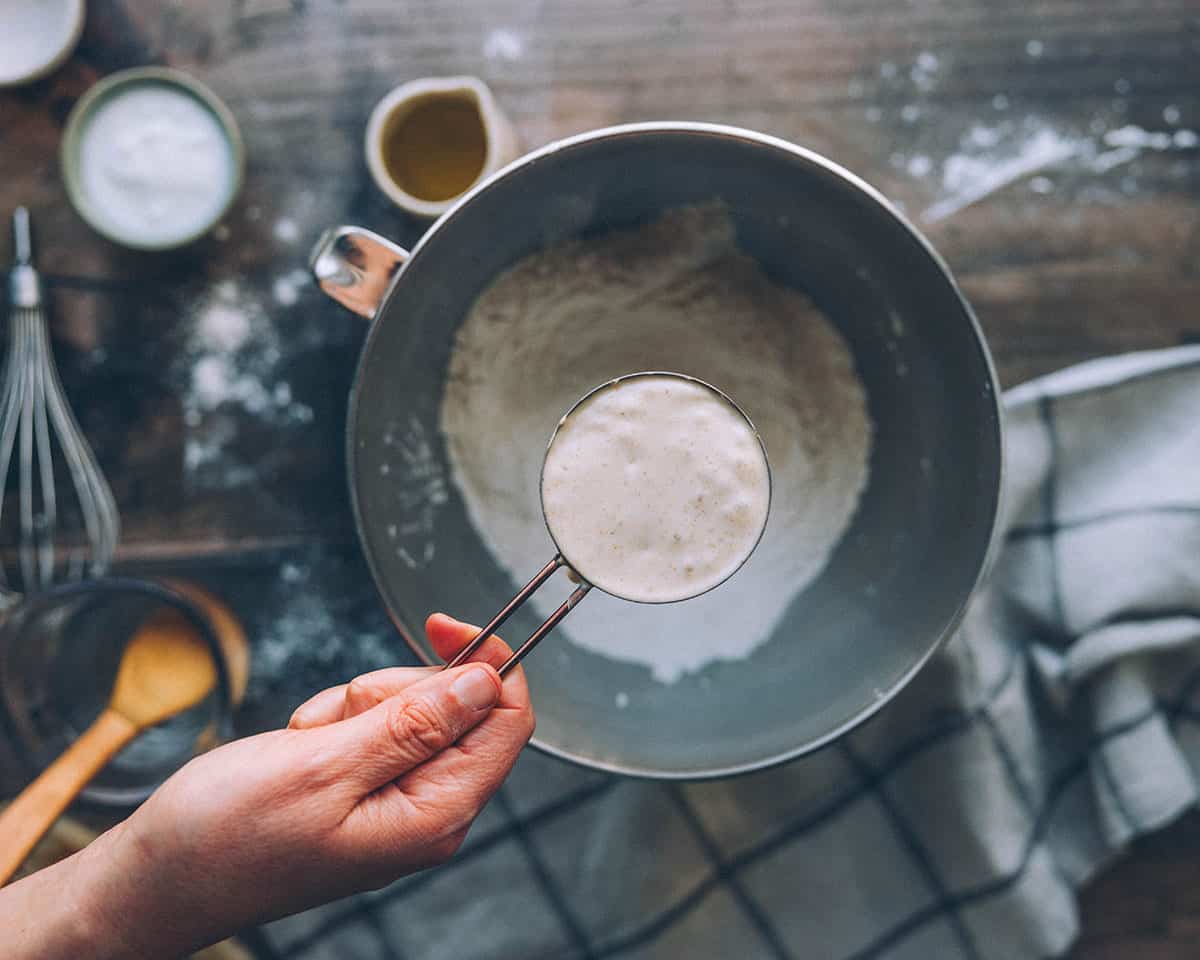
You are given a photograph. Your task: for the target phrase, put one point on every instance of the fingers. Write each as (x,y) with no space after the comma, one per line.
(357,696)
(420,722)
(439,799)
(476,766)
(442,796)
(447,636)
(319,709)
(371,689)
(481,759)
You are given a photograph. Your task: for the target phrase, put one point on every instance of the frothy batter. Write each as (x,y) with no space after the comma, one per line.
(655,488)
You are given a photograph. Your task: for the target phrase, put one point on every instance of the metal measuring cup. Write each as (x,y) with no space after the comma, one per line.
(560,560)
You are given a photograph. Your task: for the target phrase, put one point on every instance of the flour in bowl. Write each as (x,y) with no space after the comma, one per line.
(655,488)
(675,294)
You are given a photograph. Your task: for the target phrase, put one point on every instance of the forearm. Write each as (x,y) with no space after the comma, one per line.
(100,903)
(269,825)
(53,913)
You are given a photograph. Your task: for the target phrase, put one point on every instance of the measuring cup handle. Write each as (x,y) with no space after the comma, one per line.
(355,267)
(507,611)
(512,606)
(552,621)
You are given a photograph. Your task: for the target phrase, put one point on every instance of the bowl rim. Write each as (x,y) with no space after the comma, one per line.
(750,138)
(68,151)
(168,595)
(69,41)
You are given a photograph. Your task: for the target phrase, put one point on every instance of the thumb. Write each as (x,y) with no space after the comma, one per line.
(404,731)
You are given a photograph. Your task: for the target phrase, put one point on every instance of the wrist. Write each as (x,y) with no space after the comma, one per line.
(100,903)
(53,913)
(100,892)
(127,898)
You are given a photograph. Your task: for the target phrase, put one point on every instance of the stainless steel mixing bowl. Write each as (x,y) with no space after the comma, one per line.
(895,587)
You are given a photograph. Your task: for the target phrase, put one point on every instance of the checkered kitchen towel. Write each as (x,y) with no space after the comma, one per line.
(1063,720)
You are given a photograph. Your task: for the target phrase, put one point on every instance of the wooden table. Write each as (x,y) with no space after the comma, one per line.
(1037,143)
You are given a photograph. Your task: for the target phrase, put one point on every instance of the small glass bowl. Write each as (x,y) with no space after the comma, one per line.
(59,652)
(72,157)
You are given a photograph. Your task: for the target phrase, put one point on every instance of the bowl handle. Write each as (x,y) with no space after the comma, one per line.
(355,267)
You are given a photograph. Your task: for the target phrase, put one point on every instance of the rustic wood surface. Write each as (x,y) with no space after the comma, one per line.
(997,124)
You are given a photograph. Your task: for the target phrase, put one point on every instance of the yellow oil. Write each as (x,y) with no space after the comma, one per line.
(437,149)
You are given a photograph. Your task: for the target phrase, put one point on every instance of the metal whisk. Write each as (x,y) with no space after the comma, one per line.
(36,422)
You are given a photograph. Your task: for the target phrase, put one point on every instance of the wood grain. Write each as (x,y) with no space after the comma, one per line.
(1064,263)
(1102,262)
(1147,905)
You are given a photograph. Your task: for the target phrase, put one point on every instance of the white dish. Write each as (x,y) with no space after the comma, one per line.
(151,158)
(36,36)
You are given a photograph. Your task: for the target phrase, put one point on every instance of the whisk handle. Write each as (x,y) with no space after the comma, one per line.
(24,288)
(22,238)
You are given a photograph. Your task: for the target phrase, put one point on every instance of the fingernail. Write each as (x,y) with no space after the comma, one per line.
(476,688)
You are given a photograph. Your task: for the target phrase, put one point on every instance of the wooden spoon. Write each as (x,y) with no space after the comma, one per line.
(165,669)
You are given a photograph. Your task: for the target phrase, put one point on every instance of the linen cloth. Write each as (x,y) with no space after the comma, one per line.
(1061,721)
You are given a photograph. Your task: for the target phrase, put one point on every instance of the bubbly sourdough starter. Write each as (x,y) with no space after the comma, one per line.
(673,295)
(655,488)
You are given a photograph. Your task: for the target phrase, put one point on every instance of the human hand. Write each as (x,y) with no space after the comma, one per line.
(370,781)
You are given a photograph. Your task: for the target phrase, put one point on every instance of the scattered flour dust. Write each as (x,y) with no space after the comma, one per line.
(991,158)
(504,44)
(307,630)
(286,230)
(673,295)
(231,368)
(287,287)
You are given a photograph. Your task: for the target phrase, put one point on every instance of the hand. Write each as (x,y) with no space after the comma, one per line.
(370,781)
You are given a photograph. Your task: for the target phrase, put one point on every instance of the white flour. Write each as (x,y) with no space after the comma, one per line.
(989,159)
(286,288)
(675,295)
(231,368)
(155,164)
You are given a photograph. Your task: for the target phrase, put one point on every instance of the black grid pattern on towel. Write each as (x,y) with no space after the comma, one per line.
(359,913)
(725,873)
